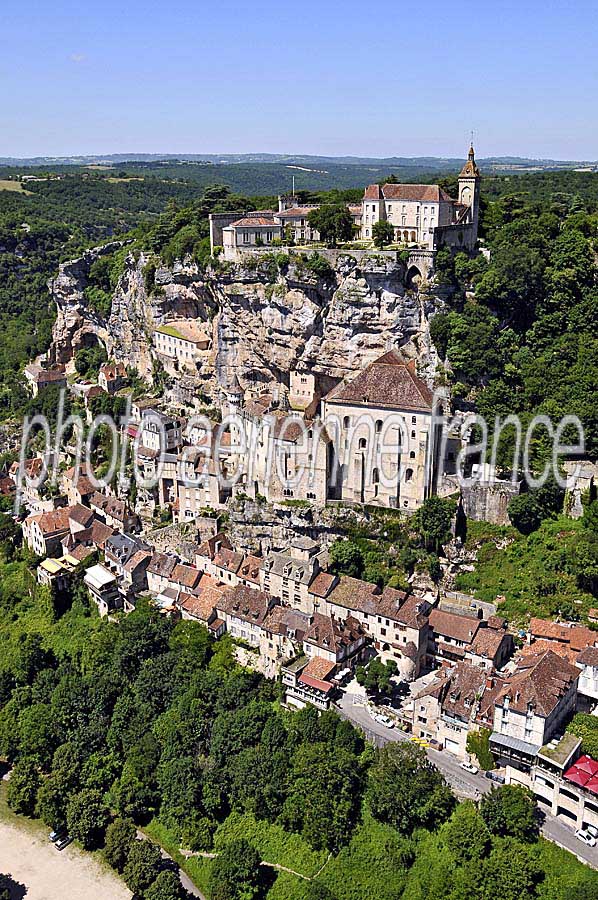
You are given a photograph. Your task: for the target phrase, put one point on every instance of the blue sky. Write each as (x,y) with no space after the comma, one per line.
(369,78)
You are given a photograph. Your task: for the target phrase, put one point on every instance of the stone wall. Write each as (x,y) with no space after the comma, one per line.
(488,501)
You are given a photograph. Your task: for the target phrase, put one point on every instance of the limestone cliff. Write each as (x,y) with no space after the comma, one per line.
(263,321)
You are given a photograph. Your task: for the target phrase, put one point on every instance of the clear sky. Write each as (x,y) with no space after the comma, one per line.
(319,76)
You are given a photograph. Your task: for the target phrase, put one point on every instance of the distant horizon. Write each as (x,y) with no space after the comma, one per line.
(354,158)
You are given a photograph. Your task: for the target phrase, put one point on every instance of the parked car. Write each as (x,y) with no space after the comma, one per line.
(494,776)
(435,745)
(384,720)
(469,767)
(56,835)
(64,842)
(585,837)
(591,829)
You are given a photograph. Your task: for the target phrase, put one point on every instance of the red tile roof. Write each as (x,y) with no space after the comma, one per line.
(389,381)
(424,193)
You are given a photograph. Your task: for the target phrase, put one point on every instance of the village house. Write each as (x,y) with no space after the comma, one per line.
(116,513)
(587,686)
(208,550)
(112,377)
(57,574)
(102,585)
(43,532)
(244,610)
(308,682)
(282,637)
(533,706)
(288,575)
(336,640)
(38,378)
(397,623)
(159,432)
(159,571)
(183,341)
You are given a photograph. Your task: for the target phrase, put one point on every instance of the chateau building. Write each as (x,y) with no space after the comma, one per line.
(422,215)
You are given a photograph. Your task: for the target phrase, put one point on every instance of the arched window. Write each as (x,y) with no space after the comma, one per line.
(362,443)
(408,474)
(414,420)
(310,434)
(375,476)
(378,426)
(346,422)
(412,454)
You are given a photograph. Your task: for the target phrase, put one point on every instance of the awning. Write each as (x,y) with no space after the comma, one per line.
(510,743)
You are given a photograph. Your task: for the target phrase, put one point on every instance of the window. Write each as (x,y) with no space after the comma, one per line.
(378,426)
(346,422)
(375,476)
(403,220)
(245,237)
(408,474)
(412,454)
(362,443)
(383,632)
(367,232)
(413,434)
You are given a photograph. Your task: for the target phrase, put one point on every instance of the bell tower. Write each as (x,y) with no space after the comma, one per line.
(469,190)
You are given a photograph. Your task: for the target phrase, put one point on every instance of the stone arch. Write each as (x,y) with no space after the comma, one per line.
(413,236)
(406,237)
(414,277)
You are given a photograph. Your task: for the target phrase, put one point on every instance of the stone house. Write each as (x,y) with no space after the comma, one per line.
(183,341)
(397,623)
(159,571)
(244,610)
(116,513)
(334,639)
(307,682)
(288,575)
(532,707)
(38,378)
(102,585)
(43,532)
(112,377)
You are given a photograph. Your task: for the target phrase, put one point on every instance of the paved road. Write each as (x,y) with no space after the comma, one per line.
(463,783)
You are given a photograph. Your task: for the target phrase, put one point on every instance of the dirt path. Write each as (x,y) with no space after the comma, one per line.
(34,862)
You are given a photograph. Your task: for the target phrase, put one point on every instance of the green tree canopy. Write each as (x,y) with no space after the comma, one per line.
(333,221)
(406,791)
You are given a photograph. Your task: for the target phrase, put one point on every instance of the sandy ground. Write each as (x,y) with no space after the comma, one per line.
(47,874)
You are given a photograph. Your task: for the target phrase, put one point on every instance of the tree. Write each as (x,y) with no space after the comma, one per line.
(510,811)
(478,743)
(406,791)
(466,834)
(585,726)
(346,558)
(333,221)
(509,873)
(167,886)
(120,836)
(376,678)
(235,872)
(25,781)
(323,800)
(143,866)
(383,233)
(524,513)
(433,520)
(87,817)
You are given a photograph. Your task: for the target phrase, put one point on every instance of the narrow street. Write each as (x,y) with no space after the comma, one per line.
(464,784)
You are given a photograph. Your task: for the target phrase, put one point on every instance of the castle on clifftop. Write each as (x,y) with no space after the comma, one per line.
(422,215)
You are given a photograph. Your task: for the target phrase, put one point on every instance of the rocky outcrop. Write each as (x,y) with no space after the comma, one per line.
(263,323)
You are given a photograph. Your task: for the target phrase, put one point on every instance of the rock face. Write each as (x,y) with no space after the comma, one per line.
(263,323)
